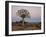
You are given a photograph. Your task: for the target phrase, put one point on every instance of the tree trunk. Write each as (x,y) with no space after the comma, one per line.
(23,22)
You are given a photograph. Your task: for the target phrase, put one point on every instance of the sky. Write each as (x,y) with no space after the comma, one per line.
(35,13)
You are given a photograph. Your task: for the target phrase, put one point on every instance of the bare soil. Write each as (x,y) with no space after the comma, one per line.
(26,26)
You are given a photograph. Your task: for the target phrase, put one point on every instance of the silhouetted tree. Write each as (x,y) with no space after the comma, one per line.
(23,13)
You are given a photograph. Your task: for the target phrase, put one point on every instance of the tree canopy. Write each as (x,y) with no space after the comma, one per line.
(22,13)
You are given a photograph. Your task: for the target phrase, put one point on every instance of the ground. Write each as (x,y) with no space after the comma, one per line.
(26,26)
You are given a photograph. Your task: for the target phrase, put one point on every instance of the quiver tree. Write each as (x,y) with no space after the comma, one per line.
(22,13)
